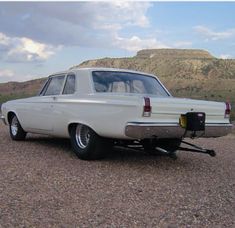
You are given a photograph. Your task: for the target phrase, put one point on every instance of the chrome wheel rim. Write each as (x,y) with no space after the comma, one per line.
(14,126)
(82,136)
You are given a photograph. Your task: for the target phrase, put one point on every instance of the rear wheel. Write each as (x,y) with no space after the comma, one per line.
(16,131)
(86,143)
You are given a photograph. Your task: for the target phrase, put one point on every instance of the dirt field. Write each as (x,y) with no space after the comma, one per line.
(43,184)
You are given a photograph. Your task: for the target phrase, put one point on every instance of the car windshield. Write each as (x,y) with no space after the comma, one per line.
(125,82)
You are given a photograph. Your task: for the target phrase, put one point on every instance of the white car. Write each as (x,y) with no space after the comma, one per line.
(96,107)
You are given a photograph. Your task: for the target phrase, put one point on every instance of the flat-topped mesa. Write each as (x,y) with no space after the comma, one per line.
(174,53)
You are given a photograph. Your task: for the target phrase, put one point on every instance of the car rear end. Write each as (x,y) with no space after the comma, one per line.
(159,115)
(176,118)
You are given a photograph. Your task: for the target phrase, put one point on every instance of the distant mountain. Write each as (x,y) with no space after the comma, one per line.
(14,90)
(185,72)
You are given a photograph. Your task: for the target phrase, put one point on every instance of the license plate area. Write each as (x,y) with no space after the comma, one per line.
(193,121)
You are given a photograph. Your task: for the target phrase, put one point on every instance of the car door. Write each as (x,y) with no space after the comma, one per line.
(63,110)
(40,111)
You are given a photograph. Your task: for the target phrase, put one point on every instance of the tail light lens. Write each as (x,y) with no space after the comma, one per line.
(147,107)
(227,110)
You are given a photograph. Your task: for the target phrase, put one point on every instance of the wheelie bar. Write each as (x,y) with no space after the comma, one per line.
(197,149)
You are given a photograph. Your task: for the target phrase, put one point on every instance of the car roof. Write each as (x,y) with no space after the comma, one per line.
(77,69)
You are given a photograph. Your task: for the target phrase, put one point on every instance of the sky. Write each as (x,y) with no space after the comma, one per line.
(40,38)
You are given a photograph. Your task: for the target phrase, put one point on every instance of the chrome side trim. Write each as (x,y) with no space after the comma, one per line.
(3,120)
(141,130)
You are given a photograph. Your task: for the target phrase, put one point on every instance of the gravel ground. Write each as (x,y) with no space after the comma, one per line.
(43,184)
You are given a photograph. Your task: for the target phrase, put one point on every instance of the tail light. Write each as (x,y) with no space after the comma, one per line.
(147,107)
(227,110)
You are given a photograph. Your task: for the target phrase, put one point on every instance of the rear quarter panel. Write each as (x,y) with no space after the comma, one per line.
(105,115)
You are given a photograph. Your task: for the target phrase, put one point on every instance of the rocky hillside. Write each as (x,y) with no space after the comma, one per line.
(13,90)
(185,72)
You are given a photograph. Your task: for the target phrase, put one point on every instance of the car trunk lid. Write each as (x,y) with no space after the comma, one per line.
(170,109)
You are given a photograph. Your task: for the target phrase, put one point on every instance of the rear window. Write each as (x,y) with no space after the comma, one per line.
(125,82)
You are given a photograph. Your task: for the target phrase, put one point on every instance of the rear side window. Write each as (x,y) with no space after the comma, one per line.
(55,86)
(69,87)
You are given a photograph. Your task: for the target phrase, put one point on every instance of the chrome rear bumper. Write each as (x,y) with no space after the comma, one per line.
(3,119)
(141,130)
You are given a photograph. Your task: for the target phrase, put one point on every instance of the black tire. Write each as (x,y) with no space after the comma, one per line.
(86,144)
(171,145)
(16,131)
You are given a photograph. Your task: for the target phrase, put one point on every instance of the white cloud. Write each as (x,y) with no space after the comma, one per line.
(209,34)
(6,73)
(182,44)
(129,13)
(80,24)
(135,43)
(87,24)
(4,40)
(22,49)
(225,56)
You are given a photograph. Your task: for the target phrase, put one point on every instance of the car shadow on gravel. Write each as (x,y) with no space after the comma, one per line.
(61,143)
(185,162)
(55,143)
(129,154)
(117,154)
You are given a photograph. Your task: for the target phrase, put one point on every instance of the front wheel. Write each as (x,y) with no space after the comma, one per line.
(16,131)
(86,144)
